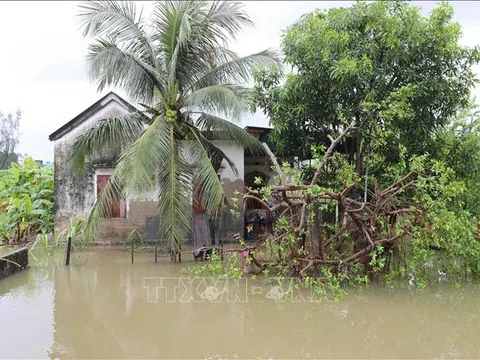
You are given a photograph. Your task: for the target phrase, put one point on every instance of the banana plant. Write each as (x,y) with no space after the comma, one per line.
(26,200)
(6,232)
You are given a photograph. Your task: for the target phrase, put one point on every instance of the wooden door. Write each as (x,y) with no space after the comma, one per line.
(114,211)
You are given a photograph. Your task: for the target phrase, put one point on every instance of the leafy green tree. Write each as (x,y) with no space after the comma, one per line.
(179,67)
(405,80)
(399,74)
(458,146)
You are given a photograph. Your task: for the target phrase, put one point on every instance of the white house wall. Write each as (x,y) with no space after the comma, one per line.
(235,153)
(75,193)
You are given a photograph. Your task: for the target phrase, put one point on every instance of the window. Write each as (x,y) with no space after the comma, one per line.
(117,210)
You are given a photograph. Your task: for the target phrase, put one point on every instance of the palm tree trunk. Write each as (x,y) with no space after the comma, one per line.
(202,230)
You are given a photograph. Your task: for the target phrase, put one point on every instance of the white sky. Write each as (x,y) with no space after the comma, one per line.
(42,67)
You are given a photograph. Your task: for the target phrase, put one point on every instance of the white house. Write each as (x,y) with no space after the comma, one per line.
(75,194)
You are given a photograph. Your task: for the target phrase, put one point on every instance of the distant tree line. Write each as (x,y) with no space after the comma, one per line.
(9,135)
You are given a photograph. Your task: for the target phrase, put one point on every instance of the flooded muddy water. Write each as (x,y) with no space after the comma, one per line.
(153,310)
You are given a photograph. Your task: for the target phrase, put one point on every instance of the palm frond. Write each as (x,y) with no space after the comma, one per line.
(105,134)
(172,22)
(227,18)
(215,154)
(118,19)
(216,128)
(136,171)
(192,35)
(140,163)
(229,100)
(236,70)
(100,17)
(182,38)
(175,189)
(209,189)
(111,66)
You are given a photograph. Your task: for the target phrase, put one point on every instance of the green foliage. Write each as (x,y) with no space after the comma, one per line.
(458,146)
(41,240)
(216,267)
(399,74)
(76,232)
(450,229)
(47,241)
(136,237)
(406,80)
(447,192)
(26,201)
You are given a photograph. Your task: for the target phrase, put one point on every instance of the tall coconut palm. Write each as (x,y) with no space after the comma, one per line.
(189,85)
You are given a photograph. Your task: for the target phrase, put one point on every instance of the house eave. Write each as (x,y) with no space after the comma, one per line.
(87,113)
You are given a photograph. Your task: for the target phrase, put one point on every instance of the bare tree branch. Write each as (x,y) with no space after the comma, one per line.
(330,149)
(283,178)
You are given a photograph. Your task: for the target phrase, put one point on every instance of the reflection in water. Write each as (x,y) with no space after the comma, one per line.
(104,311)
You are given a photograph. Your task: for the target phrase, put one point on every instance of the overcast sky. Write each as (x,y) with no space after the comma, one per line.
(42,67)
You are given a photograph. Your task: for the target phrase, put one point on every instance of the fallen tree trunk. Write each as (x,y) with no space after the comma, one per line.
(364,226)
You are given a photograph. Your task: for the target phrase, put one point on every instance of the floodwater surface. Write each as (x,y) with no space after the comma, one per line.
(149,310)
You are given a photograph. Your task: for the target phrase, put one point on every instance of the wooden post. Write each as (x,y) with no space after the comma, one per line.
(69,250)
(132,251)
(156,253)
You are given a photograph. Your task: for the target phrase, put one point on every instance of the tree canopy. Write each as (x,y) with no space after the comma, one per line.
(399,74)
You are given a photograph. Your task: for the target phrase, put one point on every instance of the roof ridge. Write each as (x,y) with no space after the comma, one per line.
(80,118)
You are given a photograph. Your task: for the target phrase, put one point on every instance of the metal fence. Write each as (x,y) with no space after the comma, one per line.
(127,253)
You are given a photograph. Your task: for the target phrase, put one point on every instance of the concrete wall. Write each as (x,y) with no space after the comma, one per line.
(229,224)
(13,261)
(75,193)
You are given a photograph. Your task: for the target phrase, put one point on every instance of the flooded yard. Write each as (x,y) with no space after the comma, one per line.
(148,310)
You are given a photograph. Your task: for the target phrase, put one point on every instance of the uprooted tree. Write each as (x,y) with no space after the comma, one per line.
(324,233)
(305,242)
